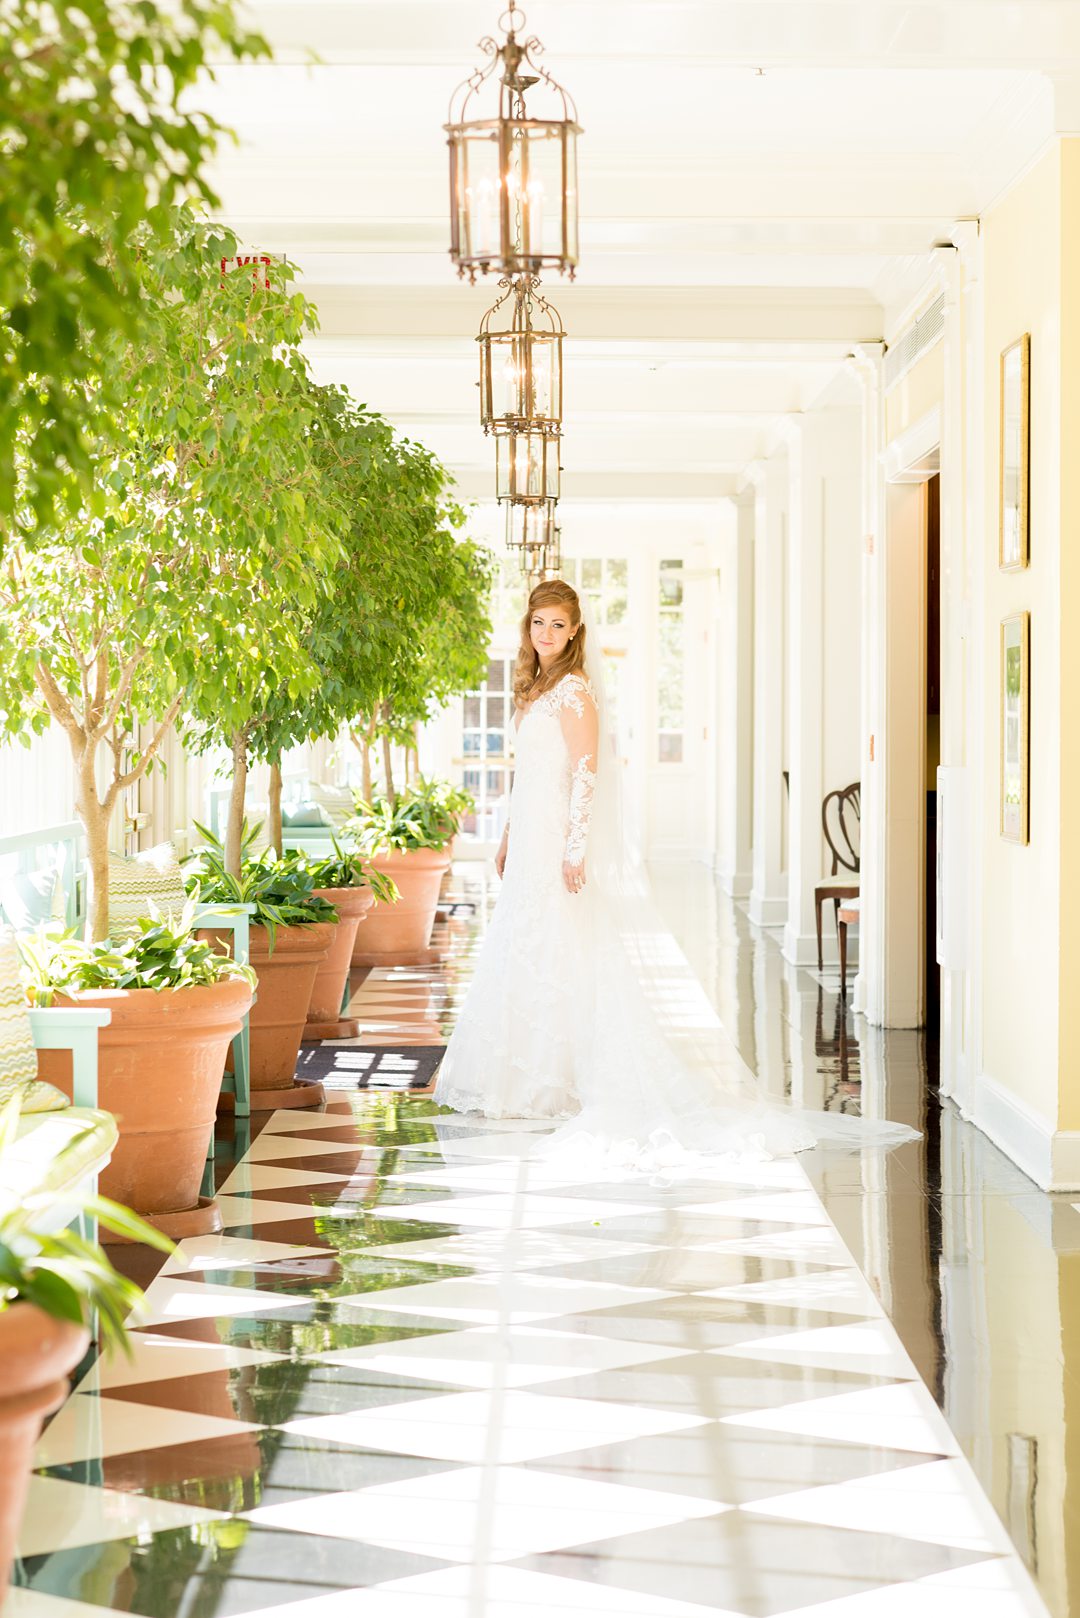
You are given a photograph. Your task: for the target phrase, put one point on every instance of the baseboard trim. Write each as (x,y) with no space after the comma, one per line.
(736,884)
(766,911)
(1049,1156)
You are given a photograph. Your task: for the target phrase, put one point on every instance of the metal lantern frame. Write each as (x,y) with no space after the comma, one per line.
(530,524)
(527,468)
(521,363)
(501,179)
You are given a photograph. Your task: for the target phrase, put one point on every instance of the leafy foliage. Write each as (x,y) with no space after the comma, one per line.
(283,894)
(62,1273)
(404,616)
(165,954)
(345,868)
(426,815)
(94,144)
(211,529)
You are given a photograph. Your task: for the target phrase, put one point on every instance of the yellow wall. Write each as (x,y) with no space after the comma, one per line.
(1068,806)
(1022,279)
(916,394)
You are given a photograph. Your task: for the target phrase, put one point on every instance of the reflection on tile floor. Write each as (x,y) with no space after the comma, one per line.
(419,1376)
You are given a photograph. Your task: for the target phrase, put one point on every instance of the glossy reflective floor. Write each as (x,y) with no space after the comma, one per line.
(421,1376)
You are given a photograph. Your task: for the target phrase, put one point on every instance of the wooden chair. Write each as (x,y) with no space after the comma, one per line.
(840,817)
(847,915)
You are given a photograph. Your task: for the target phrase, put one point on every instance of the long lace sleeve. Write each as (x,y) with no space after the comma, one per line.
(580,728)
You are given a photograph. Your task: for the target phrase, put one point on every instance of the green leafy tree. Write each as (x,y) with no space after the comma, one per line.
(404,624)
(94,143)
(184,586)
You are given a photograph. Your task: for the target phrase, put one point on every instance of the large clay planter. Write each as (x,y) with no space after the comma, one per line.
(160,1064)
(400,934)
(37,1353)
(324,1019)
(286,979)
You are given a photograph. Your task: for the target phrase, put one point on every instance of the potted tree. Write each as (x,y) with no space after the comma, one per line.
(292,929)
(167,589)
(52,1284)
(408,833)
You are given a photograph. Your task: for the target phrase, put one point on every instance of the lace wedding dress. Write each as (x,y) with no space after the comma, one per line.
(582,1008)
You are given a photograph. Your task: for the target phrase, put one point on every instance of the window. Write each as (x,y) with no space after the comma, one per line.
(670,705)
(602,581)
(487,713)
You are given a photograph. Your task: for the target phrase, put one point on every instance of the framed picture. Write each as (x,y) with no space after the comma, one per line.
(1015,440)
(1015,742)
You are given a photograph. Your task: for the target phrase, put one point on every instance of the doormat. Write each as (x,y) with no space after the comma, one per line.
(369,1067)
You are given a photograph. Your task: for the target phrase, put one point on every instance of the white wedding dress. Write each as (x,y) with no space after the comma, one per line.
(582,1008)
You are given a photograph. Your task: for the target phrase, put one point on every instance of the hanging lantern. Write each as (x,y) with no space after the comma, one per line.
(521,363)
(513,176)
(553,556)
(527,466)
(530,525)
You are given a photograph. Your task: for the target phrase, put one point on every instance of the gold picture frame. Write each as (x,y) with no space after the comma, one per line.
(1015,727)
(1013,473)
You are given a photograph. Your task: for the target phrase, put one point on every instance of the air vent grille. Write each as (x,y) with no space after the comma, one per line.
(916,340)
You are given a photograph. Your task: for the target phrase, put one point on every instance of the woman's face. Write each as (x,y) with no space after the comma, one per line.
(550,629)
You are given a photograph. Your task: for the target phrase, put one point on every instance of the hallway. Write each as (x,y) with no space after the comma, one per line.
(418,1378)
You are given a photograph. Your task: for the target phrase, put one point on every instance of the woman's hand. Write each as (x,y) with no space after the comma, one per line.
(500,858)
(574,875)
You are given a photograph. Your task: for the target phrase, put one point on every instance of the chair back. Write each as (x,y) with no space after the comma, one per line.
(840,821)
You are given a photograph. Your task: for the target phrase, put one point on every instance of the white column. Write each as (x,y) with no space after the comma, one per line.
(806,694)
(735,701)
(962,563)
(768,893)
(869,992)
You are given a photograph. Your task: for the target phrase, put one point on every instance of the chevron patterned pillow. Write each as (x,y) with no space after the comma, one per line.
(152,876)
(18,1058)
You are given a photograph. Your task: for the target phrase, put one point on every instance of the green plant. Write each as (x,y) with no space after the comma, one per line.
(346,868)
(60,1271)
(164,954)
(420,818)
(97,136)
(283,894)
(174,589)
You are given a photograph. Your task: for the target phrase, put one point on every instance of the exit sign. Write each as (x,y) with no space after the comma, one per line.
(258,263)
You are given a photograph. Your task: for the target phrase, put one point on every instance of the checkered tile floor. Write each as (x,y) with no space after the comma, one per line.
(420,1376)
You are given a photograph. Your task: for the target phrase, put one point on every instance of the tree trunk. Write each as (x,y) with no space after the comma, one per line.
(388,769)
(95,817)
(234,830)
(275,828)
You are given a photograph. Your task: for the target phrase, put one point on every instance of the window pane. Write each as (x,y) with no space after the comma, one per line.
(470,742)
(671,590)
(495,741)
(670,672)
(616,573)
(591,573)
(472,711)
(472,780)
(496,783)
(496,678)
(670,747)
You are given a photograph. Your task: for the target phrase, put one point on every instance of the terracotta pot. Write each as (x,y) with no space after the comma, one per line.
(286,979)
(37,1353)
(324,1019)
(399,934)
(160,1064)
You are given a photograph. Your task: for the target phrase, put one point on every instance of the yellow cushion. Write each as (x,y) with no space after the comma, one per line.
(42,1097)
(152,876)
(18,1057)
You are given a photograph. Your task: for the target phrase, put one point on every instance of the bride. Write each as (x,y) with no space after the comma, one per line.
(582,1009)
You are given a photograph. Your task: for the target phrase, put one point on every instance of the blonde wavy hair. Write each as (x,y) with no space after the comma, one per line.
(529,682)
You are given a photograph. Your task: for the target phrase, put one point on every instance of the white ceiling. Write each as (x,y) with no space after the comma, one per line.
(741,229)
